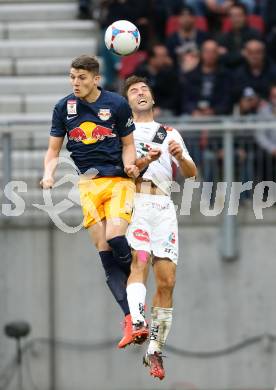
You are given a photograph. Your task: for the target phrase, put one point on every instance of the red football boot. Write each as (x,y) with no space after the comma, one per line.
(155,363)
(133,333)
(140,333)
(127,337)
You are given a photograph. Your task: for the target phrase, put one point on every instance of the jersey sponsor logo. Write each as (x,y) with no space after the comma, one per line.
(104,114)
(141,235)
(90,133)
(129,122)
(71,107)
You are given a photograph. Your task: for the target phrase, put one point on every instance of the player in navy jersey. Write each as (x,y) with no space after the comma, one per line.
(98,125)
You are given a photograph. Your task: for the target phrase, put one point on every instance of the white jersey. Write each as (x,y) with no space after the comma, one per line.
(160,172)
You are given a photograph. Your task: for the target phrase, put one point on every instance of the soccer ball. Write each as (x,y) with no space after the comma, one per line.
(122,38)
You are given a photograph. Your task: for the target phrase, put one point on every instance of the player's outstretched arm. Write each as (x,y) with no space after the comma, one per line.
(50,161)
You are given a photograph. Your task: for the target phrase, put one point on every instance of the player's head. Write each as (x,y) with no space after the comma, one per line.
(238,15)
(139,94)
(84,75)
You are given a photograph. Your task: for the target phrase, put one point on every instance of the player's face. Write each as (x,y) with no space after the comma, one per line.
(140,98)
(84,83)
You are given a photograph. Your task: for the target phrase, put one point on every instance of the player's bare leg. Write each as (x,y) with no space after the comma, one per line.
(116,270)
(161,315)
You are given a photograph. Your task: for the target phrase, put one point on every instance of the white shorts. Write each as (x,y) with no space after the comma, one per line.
(153,227)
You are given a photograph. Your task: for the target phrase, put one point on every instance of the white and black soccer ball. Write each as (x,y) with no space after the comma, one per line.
(122,38)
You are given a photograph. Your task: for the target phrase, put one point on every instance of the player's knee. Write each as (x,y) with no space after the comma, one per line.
(166,284)
(101,245)
(140,261)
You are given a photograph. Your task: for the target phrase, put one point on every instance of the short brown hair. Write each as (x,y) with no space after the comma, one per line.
(134,80)
(86,62)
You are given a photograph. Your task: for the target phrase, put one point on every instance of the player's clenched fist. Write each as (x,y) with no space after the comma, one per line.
(154,154)
(45,184)
(175,149)
(132,171)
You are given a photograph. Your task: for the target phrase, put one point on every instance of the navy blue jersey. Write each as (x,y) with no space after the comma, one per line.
(94,131)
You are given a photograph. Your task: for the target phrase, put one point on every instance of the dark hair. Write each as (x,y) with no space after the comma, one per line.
(151,53)
(86,62)
(134,80)
(241,6)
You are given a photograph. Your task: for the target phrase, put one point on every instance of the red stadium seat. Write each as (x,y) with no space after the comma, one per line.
(226,25)
(254,21)
(201,23)
(257,22)
(130,63)
(173,24)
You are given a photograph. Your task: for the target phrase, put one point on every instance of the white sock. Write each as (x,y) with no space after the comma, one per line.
(136,296)
(161,321)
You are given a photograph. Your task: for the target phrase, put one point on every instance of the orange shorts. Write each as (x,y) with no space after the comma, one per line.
(106,197)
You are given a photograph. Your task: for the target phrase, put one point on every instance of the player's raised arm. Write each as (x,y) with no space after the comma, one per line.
(186,165)
(50,161)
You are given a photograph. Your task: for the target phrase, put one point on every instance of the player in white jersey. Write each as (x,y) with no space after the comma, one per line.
(153,232)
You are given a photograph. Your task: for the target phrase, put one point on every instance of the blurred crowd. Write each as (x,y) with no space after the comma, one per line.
(202,58)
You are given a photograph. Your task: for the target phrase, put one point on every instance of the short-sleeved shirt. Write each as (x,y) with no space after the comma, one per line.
(161,170)
(94,131)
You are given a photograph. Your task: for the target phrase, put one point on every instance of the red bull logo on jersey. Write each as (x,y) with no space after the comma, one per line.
(104,114)
(90,133)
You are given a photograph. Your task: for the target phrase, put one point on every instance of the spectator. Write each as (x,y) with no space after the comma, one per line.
(246,146)
(161,75)
(207,88)
(197,5)
(266,139)
(207,92)
(85,8)
(249,102)
(186,34)
(217,9)
(257,72)
(189,58)
(162,10)
(271,44)
(232,42)
(270,14)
